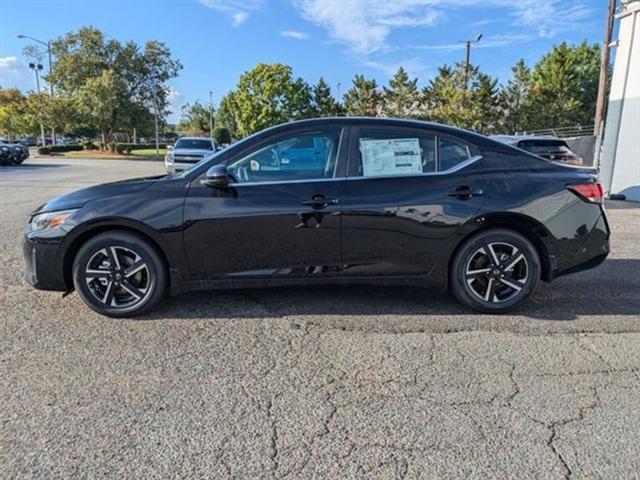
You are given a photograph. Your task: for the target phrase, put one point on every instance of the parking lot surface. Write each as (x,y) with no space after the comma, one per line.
(328,382)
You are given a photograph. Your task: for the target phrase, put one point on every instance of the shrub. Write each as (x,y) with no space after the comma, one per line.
(60,149)
(222,135)
(89,145)
(112,147)
(44,150)
(127,148)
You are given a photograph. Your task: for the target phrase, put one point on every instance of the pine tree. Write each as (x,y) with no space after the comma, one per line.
(323,103)
(513,99)
(401,98)
(363,98)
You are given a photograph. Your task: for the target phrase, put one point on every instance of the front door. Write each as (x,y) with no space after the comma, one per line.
(279,218)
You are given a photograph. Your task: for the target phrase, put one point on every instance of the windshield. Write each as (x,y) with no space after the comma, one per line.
(194,143)
(545,146)
(206,158)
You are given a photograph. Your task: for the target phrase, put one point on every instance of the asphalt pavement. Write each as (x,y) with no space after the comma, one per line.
(327,383)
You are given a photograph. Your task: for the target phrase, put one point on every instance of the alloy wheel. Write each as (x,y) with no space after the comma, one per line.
(497,272)
(118,277)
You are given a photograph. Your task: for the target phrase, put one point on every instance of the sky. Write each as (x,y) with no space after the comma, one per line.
(217,40)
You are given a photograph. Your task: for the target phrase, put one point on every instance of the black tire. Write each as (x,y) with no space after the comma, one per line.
(478,281)
(119,274)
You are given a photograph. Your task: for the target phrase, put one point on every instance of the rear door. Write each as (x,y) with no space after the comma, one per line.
(406,195)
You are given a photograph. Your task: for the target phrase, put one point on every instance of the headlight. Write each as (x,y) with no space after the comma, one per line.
(169,157)
(45,221)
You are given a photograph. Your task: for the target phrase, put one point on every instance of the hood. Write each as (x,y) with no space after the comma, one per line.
(80,197)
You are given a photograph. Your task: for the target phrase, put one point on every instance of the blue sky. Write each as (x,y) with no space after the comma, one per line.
(217,40)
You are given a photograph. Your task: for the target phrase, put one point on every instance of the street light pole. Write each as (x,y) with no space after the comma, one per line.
(36,67)
(601,102)
(155,108)
(210,114)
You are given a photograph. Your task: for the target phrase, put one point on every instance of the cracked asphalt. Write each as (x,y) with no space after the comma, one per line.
(329,382)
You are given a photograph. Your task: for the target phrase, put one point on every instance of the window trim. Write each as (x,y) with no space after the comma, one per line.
(354,151)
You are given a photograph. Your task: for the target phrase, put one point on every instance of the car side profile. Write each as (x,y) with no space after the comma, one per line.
(333,200)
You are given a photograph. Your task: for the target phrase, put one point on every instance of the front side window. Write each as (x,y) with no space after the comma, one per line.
(300,156)
(407,152)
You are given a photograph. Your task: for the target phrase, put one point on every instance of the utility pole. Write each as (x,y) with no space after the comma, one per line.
(467,62)
(210,114)
(601,103)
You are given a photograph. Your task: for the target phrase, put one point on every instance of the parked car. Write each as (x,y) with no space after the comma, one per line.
(551,148)
(186,152)
(393,201)
(29,141)
(13,153)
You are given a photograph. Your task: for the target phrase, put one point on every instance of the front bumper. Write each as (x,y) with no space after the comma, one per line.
(40,260)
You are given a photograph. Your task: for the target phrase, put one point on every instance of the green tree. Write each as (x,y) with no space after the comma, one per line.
(86,59)
(463,98)
(225,116)
(195,119)
(513,99)
(323,103)
(363,98)
(564,86)
(401,98)
(266,95)
(221,135)
(13,117)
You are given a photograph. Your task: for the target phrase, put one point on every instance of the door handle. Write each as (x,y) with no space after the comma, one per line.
(320,201)
(464,192)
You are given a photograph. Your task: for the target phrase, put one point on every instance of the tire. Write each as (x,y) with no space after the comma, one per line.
(119,274)
(483,284)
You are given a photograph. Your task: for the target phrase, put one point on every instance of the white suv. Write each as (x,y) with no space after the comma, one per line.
(187,152)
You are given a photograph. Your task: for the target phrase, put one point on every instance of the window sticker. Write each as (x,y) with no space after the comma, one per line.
(396,156)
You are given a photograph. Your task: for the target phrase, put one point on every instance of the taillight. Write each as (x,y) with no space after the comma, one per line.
(589,192)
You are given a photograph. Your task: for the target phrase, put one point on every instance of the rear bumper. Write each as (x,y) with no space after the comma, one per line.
(41,270)
(593,250)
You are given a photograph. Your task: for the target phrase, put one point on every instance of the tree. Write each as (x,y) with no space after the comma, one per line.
(86,59)
(266,95)
(13,120)
(55,113)
(465,98)
(401,98)
(323,103)
(363,98)
(564,86)
(513,99)
(225,116)
(195,119)
(222,136)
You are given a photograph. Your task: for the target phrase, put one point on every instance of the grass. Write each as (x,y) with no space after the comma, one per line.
(147,153)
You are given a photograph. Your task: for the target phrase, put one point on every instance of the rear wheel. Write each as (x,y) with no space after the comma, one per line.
(495,271)
(119,274)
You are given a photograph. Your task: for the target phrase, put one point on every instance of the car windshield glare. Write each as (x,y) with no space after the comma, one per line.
(194,144)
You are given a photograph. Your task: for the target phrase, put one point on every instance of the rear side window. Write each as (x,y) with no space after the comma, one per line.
(386,154)
(391,153)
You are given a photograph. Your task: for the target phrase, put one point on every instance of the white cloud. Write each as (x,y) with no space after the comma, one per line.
(238,10)
(294,34)
(14,73)
(493,41)
(364,25)
(176,100)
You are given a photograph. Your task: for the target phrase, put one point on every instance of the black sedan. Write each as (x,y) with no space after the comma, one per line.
(327,201)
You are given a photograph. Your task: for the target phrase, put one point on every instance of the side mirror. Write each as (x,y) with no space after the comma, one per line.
(217,177)
(169,147)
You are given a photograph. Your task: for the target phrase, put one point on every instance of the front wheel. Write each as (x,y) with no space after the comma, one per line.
(119,274)
(495,271)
